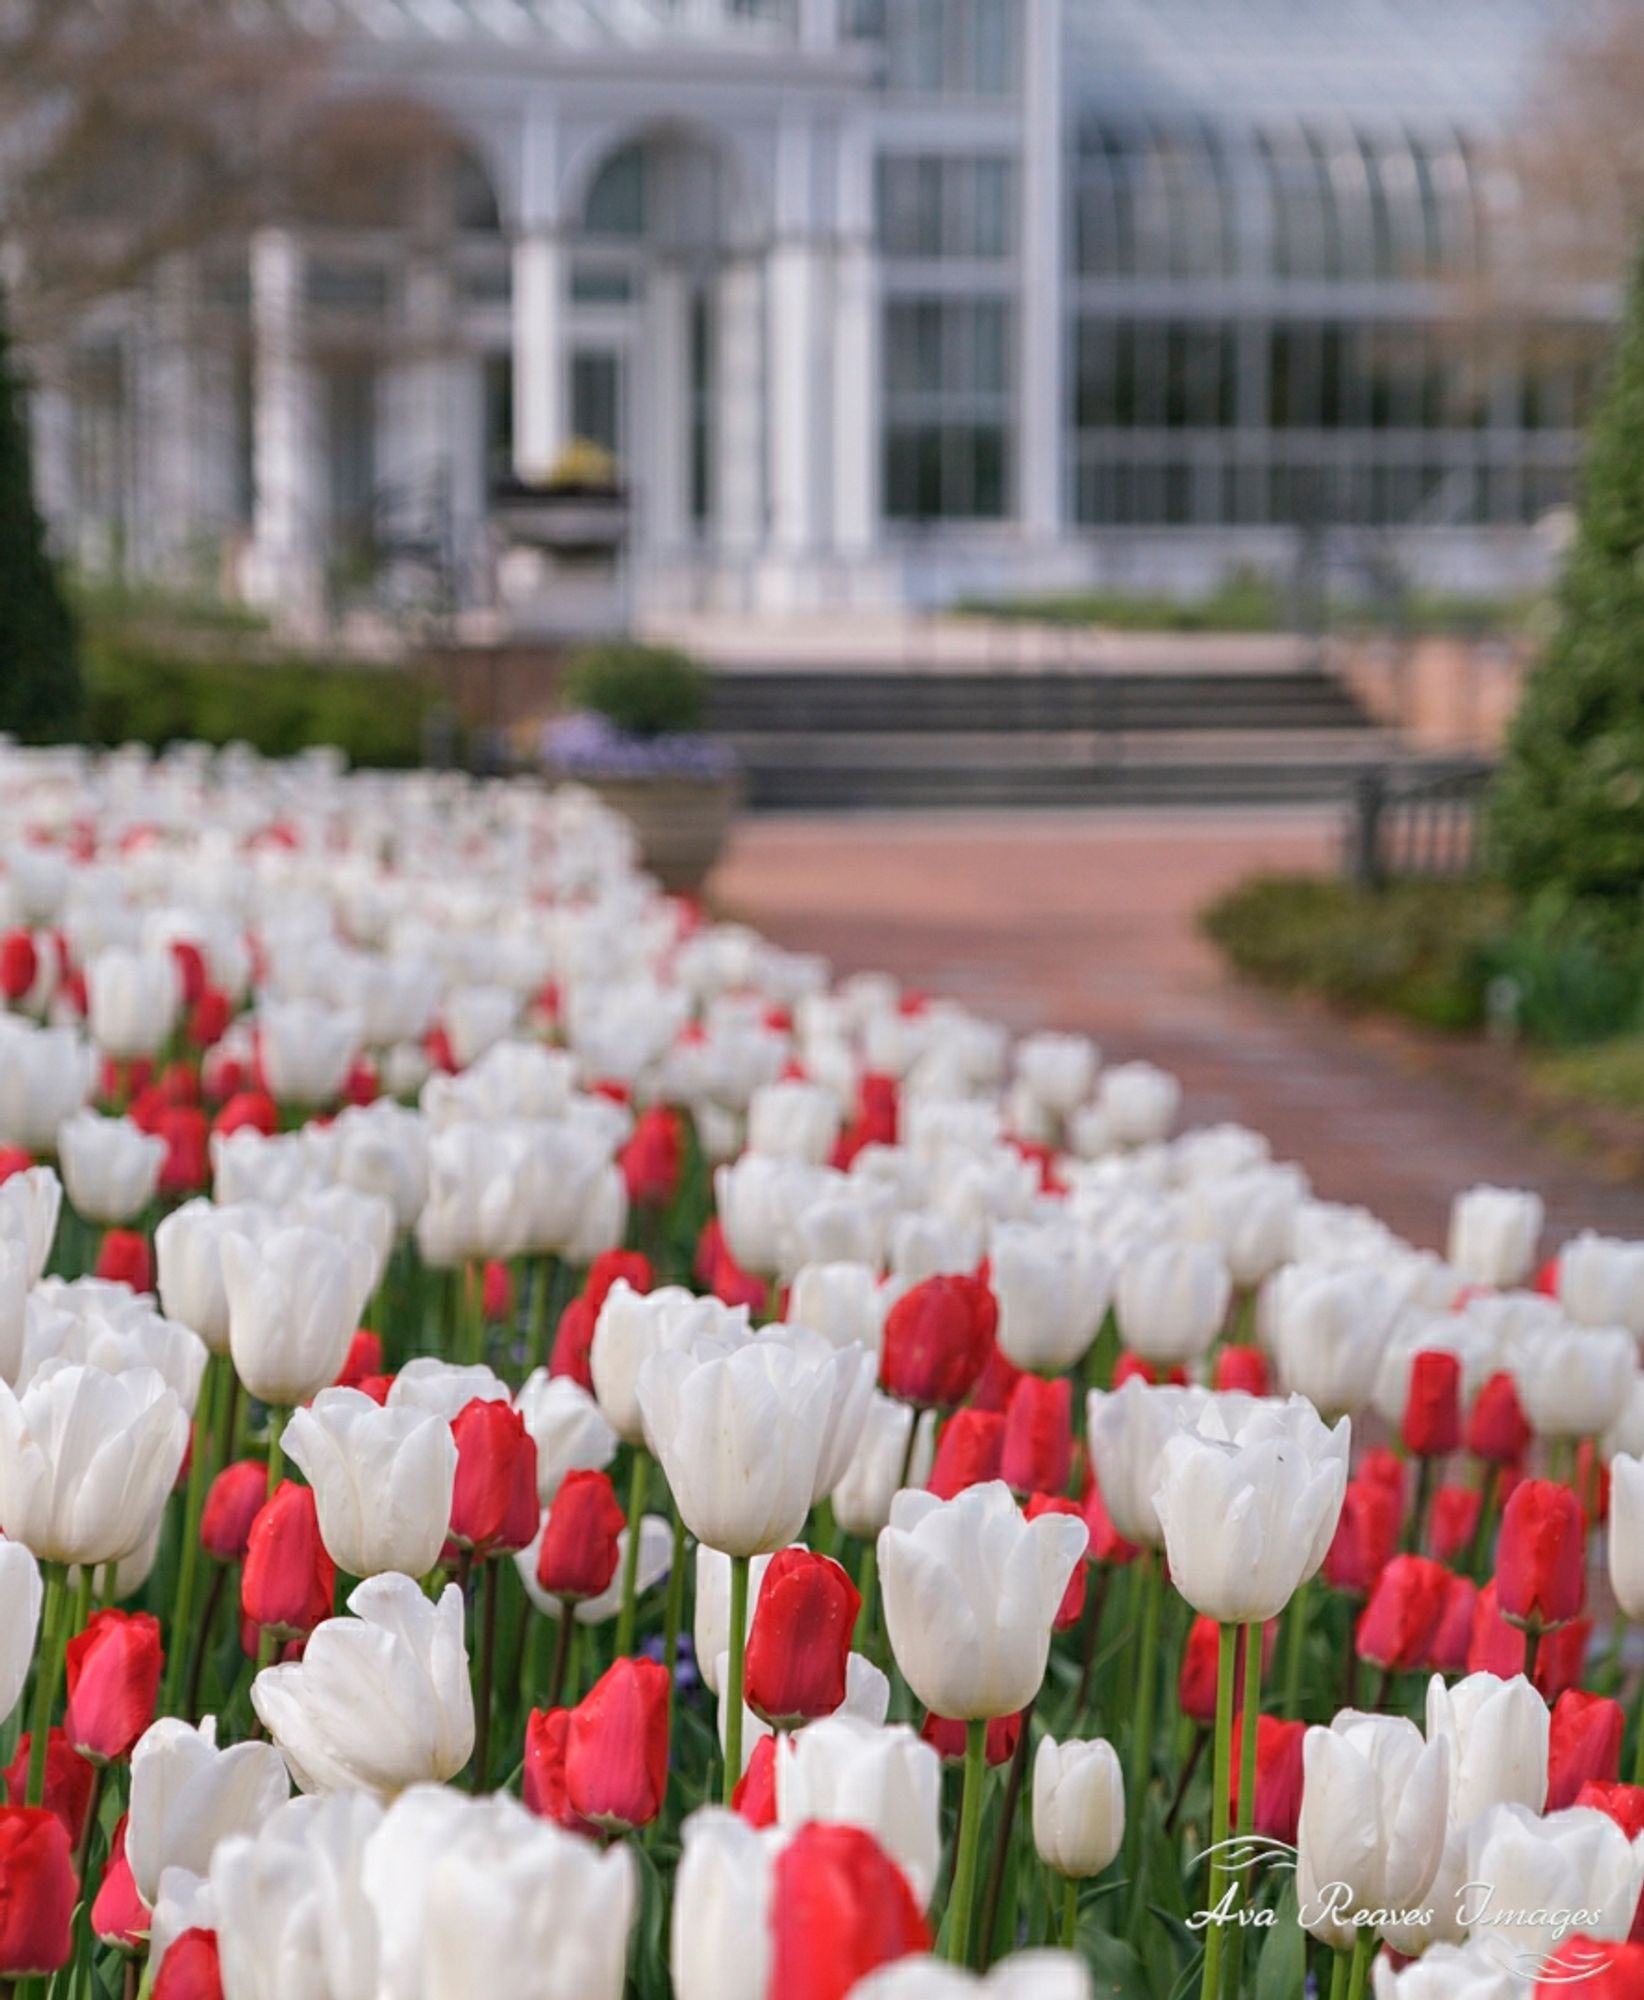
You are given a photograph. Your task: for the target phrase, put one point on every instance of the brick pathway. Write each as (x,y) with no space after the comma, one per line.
(1086,921)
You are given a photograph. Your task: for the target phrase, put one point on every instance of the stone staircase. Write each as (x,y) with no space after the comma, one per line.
(856,737)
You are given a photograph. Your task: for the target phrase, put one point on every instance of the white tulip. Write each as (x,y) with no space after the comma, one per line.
(1139,1102)
(1026,1975)
(794,1120)
(971,1590)
(570,1431)
(253,1167)
(924,1244)
(862,1498)
(1447,1972)
(21,1592)
(382,1149)
(477,1018)
(1129,1429)
(136,1338)
(1534,1867)
(382,1480)
(632,1326)
(292,1918)
(29,1207)
(844,1302)
(132,1001)
(1251,1215)
(444,1388)
(14,1306)
(1171,1300)
(1053,1283)
(294,1304)
(1572,1382)
(1329,1326)
(1497,1735)
(1058,1070)
(307,1049)
(188,1262)
(1078,1805)
(363,1221)
(110,1168)
(1493,1235)
(87,1460)
(46,1075)
(845,1772)
(720,1940)
(1626,1535)
(1601,1282)
(1372,1820)
(187,1795)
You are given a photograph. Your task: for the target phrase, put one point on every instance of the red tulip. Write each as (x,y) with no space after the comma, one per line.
(233,1503)
(1595,1971)
(543,1783)
(1242,1368)
(755,1794)
(191,968)
(1432,1410)
(119,1916)
(799,1641)
(113,1670)
(208,1018)
(616,1747)
(1448,1652)
(187,1164)
(124,1258)
(947,1737)
(1196,1681)
(19,964)
(1452,1521)
(1501,1649)
(362,1361)
(937,1337)
(1398,1625)
(289,1582)
(1541,1559)
(1135,1368)
(1072,1607)
(1278,1775)
(1622,1803)
(494,1503)
(1036,1450)
(1107,1545)
(573,1340)
(967,1451)
(631,1265)
(497,1290)
(839,1907)
(579,1551)
(14,1160)
(1366,1537)
(38,1892)
(252,1110)
(1497,1429)
(190,1969)
(69,1780)
(653,1157)
(1383,1467)
(1584,1745)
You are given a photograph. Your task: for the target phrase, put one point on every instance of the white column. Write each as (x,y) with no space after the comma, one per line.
(798,393)
(284,571)
(1040,414)
(665,503)
(856,355)
(541,365)
(166,427)
(818,23)
(738,388)
(51,429)
(412,454)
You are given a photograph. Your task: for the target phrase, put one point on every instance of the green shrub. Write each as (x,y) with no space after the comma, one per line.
(645,690)
(138,691)
(1568,809)
(1609,1073)
(1577,975)
(1420,949)
(39,676)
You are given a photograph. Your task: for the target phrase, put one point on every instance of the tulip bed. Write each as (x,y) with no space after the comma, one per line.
(548,1448)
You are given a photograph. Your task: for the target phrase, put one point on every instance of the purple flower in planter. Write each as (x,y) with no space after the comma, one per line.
(587,746)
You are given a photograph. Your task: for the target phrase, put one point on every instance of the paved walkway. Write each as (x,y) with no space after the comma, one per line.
(1086,921)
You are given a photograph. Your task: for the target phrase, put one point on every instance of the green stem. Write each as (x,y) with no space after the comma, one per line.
(1411,1539)
(53,1640)
(1364,1950)
(1343,1961)
(536,1352)
(1226,1657)
(485,1672)
(562,1653)
(199,1468)
(626,1618)
(1295,1639)
(1070,1913)
(867,1588)
(970,1830)
(1151,1585)
(733,1683)
(673,1614)
(1248,1734)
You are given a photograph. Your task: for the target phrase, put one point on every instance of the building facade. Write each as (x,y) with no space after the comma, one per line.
(872,302)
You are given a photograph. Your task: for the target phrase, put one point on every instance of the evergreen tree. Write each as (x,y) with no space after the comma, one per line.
(1567,816)
(39,672)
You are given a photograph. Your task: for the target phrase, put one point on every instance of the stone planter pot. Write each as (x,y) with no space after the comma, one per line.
(681,821)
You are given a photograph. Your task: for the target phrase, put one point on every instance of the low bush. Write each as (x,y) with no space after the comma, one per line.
(1608,1073)
(643,690)
(141,691)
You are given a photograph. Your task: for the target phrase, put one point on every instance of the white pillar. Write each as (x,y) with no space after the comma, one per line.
(665,502)
(284,571)
(856,355)
(165,426)
(413,406)
(1040,413)
(51,437)
(798,393)
(738,388)
(541,365)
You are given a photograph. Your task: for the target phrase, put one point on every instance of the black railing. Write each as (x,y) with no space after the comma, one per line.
(1416,824)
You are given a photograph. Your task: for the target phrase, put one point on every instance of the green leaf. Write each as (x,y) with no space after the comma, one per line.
(1281,1970)
(1115,1969)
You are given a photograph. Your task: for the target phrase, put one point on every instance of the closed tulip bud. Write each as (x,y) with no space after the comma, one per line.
(1036,1451)
(1052,1282)
(1128,1432)
(1249,1517)
(69,1779)
(1600,1282)
(1453,1520)
(186,1795)
(754,1796)
(946,1736)
(110,1168)
(294,1300)
(1496,1734)
(794,1120)
(234,1501)
(1454,1633)
(380,1700)
(1622,1803)
(307,1049)
(631,1327)
(1025,1975)
(1584,1744)
(123,1259)
(1493,1235)
(1279,1760)
(188,1259)
(968,1452)
(1196,1680)
(268,1889)
(971,1592)
(542,1783)
(1538,1867)
(845,1771)
(1243,1370)
(720,1945)
(1172,1299)
(39,1893)
(568,1358)
(580,1545)
(1078,1806)
(289,1581)
(862,1499)
(494,1497)
(1446,1972)
(840,1906)
(87,1460)
(1431,1425)
(570,1431)
(1395,1631)
(382,1481)
(1626,1535)
(1541,1557)
(1573,1380)
(936,1343)
(1366,1537)
(119,1916)
(1497,1429)
(113,1671)
(31,1199)
(1372,1818)
(132,1001)
(616,1747)
(799,1639)
(21,1592)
